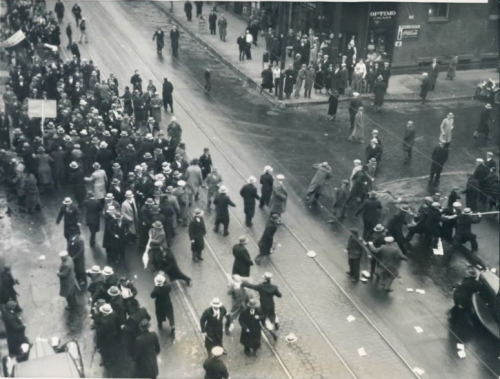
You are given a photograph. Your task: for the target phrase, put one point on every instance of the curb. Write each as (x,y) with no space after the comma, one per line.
(279,103)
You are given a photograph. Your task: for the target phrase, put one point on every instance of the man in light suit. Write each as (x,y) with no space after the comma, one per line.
(129,212)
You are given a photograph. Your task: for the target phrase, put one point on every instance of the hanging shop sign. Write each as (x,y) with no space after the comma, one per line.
(408,32)
(379,16)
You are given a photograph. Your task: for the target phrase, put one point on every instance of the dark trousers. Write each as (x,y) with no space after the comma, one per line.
(248,219)
(354,264)
(407,153)
(435,174)
(265,199)
(224,222)
(368,226)
(242,55)
(248,51)
(463,238)
(170,316)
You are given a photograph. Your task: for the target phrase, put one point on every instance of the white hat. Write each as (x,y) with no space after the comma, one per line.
(355,94)
(67,201)
(216,302)
(389,239)
(198,212)
(457,204)
(251,179)
(267,275)
(479,160)
(280,177)
(95,269)
(129,193)
(106,309)
(158,183)
(107,271)
(357,161)
(268,169)
(63,253)
(217,351)
(223,189)
(181,183)
(159,280)
(467,211)
(435,204)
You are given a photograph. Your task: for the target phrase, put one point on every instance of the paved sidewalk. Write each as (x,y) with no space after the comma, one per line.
(401,87)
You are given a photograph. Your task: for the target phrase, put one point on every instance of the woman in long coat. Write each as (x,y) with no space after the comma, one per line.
(358,131)
(279,196)
(251,324)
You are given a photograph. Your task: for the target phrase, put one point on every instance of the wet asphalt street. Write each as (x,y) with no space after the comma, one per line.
(244,133)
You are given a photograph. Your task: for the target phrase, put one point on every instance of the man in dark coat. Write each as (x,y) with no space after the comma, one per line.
(267,291)
(408,141)
(59,10)
(130,330)
(222,203)
(395,227)
(267,79)
(354,251)
(213,365)
(242,260)
(289,81)
(425,87)
(188,9)
(107,331)
(76,250)
(92,208)
(212,22)
(463,231)
(211,324)
(197,233)
(439,158)
(485,120)
(353,108)
(205,163)
(167,90)
(163,303)
(389,257)
(7,284)
(147,347)
(174,41)
(462,293)
(433,73)
(68,284)
(251,320)
(70,214)
(267,240)
(14,328)
(370,209)
(266,190)
(249,194)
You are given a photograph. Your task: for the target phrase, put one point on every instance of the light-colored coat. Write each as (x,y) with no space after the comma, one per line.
(446,127)
(99,182)
(128,215)
(278,198)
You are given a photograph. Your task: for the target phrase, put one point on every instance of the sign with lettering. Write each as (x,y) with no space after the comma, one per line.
(408,32)
(383,15)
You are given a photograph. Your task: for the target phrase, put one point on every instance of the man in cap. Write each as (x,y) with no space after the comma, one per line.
(197,232)
(222,203)
(462,294)
(370,210)
(267,291)
(266,189)
(211,323)
(321,176)
(389,259)
(449,221)
(279,196)
(76,250)
(214,366)
(163,303)
(251,320)
(67,280)
(92,208)
(242,260)
(249,194)
(438,159)
(69,213)
(147,347)
(130,216)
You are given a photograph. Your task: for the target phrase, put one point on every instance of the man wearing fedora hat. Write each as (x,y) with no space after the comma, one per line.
(463,232)
(15,329)
(222,203)
(197,232)
(249,194)
(130,215)
(76,250)
(214,366)
(389,260)
(211,323)
(395,226)
(163,304)
(266,189)
(71,216)
(242,260)
(107,332)
(147,348)
(92,208)
(370,210)
(279,196)
(212,181)
(463,291)
(251,320)
(68,285)
(267,291)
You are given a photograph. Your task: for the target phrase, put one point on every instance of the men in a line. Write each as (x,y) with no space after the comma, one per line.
(249,194)
(197,233)
(212,322)
(267,291)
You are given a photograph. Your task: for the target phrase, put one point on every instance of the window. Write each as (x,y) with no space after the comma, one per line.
(438,12)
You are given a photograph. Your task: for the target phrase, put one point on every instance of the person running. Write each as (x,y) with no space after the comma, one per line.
(159,37)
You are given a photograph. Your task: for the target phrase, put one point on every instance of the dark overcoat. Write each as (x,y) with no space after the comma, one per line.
(222,203)
(242,261)
(249,194)
(67,280)
(197,231)
(163,304)
(147,347)
(93,214)
(251,327)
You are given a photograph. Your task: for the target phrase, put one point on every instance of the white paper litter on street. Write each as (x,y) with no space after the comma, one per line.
(420,291)
(351,318)
(410,290)
(41,258)
(362,352)
(418,371)
(460,346)
(461,354)
(418,329)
